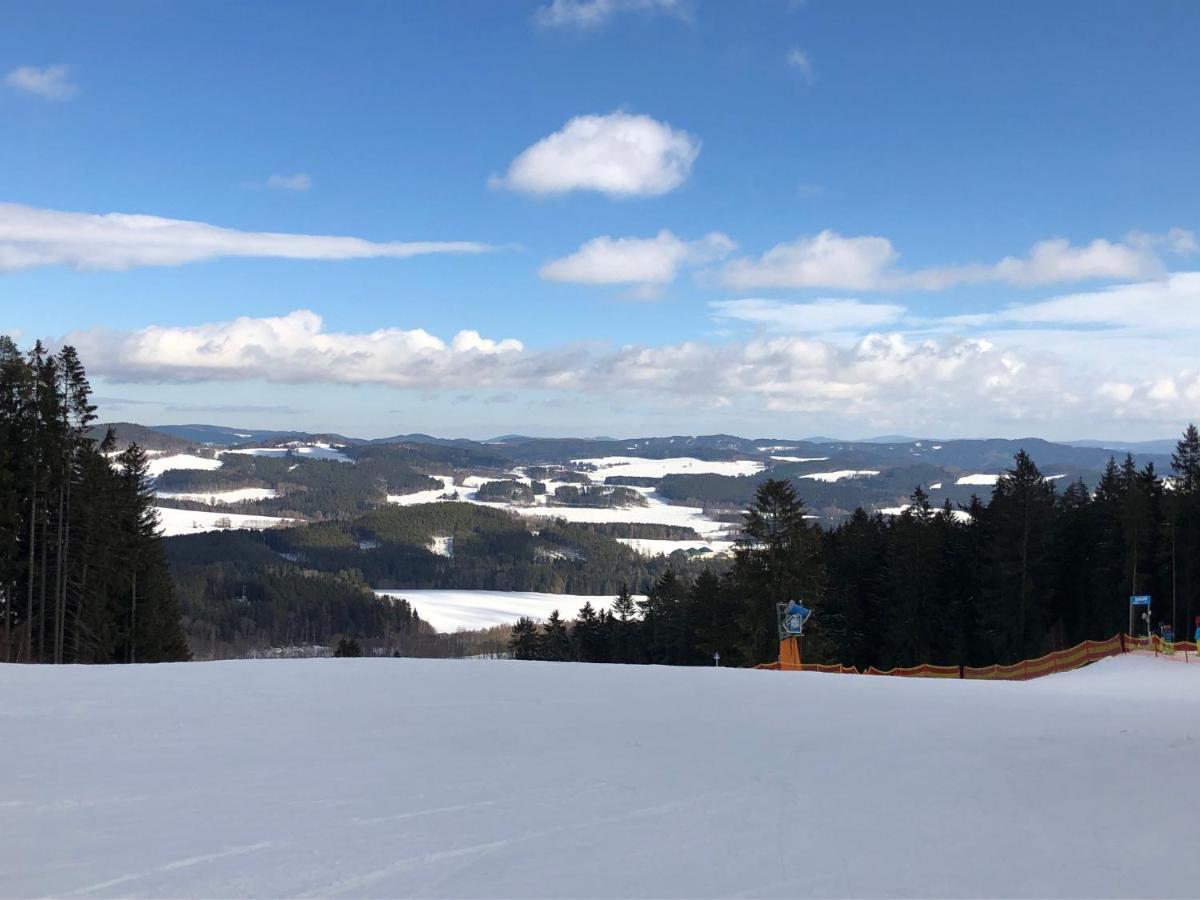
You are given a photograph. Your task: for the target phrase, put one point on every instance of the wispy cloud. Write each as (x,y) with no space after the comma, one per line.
(870,263)
(798,60)
(618,154)
(32,237)
(648,263)
(49,83)
(300,181)
(589,14)
(811,317)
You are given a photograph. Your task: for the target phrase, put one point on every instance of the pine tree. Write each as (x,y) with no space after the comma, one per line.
(1185,461)
(525,641)
(556,642)
(778,560)
(1019,585)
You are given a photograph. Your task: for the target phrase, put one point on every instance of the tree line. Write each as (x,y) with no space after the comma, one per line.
(83,575)
(1032,570)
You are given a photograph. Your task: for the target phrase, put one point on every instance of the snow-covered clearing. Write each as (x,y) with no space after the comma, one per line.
(655,547)
(456,778)
(659,512)
(960,515)
(309,451)
(160,464)
(656,512)
(430,496)
(800,459)
(984,480)
(442,545)
(841,474)
(641,467)
(450,611)
(212,498)
(189,521)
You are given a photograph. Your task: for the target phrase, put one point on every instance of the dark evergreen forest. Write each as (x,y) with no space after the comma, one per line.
(83,573)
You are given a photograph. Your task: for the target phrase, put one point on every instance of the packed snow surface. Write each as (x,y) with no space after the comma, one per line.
(213,498)
(160,464)
(450,611)
(641,467)
(188,521)
(460,778)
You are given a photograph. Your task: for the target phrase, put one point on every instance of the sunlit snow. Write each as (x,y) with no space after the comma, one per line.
(474,778)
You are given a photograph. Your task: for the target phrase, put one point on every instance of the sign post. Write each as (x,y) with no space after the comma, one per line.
(1140,600)
(792,617)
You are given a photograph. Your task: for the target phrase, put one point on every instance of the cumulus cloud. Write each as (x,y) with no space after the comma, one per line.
(649,263)
(32,237)
(816,316)
(881,377)
(798,60)
(300,181)
(870,263)
(295,348)
(49,83)
(587,14)
(618,154)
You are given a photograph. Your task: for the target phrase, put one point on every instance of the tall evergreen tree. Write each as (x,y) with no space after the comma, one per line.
(1019,547)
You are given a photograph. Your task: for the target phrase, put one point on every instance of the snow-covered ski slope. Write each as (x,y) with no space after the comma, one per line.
(381,777)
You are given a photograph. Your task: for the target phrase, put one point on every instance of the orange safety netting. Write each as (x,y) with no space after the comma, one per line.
(1055,661)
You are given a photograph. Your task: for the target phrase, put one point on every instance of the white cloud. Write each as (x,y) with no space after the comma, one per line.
(50,83)
(585,14)
(825,260)
(1052,261)
(1166,306)
(42,237)
(618,154)
(647,262)
(889,378)
(813,317)
(300,181)
(798,60)
(829,260)
(293,349)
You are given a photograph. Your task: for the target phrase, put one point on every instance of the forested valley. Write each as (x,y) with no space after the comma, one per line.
(1032,570)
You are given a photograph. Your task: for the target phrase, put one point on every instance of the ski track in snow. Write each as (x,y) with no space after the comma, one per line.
(504,779)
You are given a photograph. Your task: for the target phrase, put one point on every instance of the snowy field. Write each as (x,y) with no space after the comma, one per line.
(656,511)
(642,467)
(189,521)
(160,464)
(656,547)
(307,451)
(215,498)
(423,778)
(450,611)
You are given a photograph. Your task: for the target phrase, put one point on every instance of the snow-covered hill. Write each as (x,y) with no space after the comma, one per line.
(468,778)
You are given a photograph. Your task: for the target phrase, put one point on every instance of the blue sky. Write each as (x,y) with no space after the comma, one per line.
(983,215)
